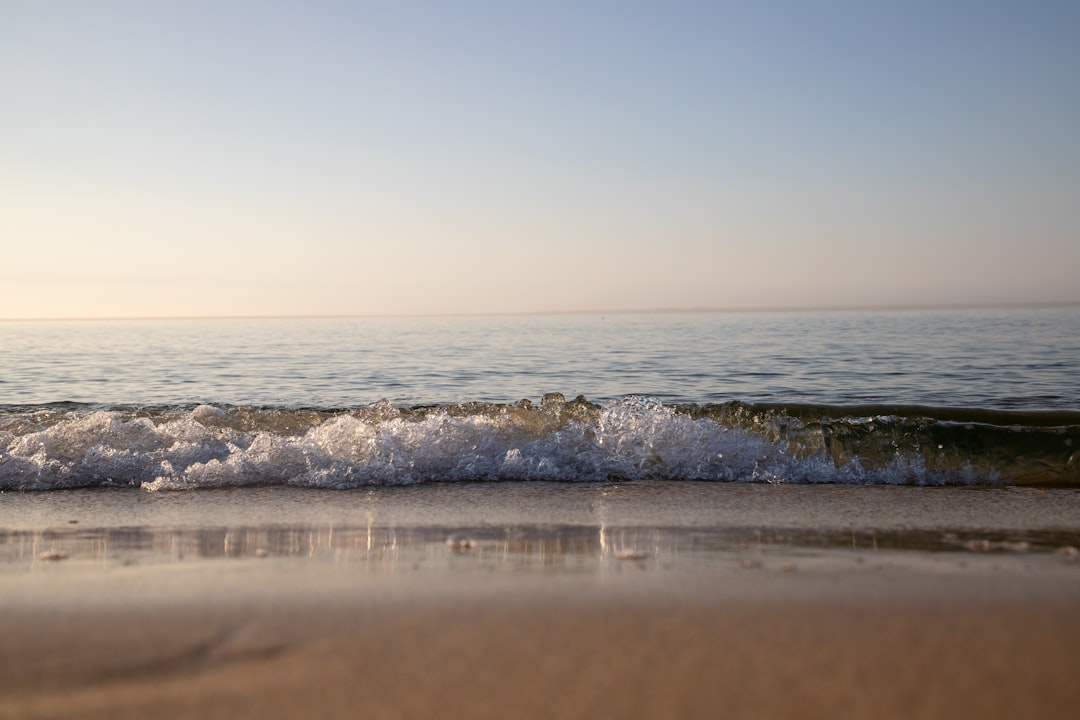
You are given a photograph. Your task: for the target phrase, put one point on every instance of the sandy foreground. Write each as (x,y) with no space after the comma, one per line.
(360,606)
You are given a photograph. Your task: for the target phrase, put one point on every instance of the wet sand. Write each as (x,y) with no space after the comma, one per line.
(245,605)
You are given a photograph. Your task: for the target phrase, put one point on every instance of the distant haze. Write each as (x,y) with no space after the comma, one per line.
(296,158)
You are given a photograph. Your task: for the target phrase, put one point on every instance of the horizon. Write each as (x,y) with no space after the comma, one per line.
(557,313)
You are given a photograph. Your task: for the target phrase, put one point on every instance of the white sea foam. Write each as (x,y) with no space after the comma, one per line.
(632,439)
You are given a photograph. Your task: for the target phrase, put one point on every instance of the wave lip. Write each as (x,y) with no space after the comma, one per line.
(635,438)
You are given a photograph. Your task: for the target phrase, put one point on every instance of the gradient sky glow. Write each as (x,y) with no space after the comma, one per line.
(317,157)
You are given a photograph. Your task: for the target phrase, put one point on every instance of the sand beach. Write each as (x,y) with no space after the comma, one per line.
(461,602)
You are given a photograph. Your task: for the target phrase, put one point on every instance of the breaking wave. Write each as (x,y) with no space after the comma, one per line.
(635,438)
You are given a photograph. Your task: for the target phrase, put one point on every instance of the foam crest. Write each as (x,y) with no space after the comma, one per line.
(636,438)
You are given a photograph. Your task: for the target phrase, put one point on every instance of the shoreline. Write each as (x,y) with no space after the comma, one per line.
(628,601)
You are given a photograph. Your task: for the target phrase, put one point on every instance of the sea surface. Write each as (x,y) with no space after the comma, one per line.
(985,397)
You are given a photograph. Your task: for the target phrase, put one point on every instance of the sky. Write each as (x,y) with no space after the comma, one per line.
(228,158)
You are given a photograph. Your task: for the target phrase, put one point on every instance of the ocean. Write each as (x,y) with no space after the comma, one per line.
(984,397)
(193,499)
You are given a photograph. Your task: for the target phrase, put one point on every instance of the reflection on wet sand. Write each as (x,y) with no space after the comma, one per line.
(374,548)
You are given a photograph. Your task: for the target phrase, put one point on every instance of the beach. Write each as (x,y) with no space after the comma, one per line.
(541,601)
(834,515)
(539,360)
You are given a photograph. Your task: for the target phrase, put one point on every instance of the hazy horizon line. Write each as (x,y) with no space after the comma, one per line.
(601,312)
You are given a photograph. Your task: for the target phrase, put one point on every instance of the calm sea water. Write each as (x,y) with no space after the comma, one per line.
(1010,359)
(923,397)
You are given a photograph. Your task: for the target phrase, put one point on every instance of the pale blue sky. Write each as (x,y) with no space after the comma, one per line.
(247,158)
